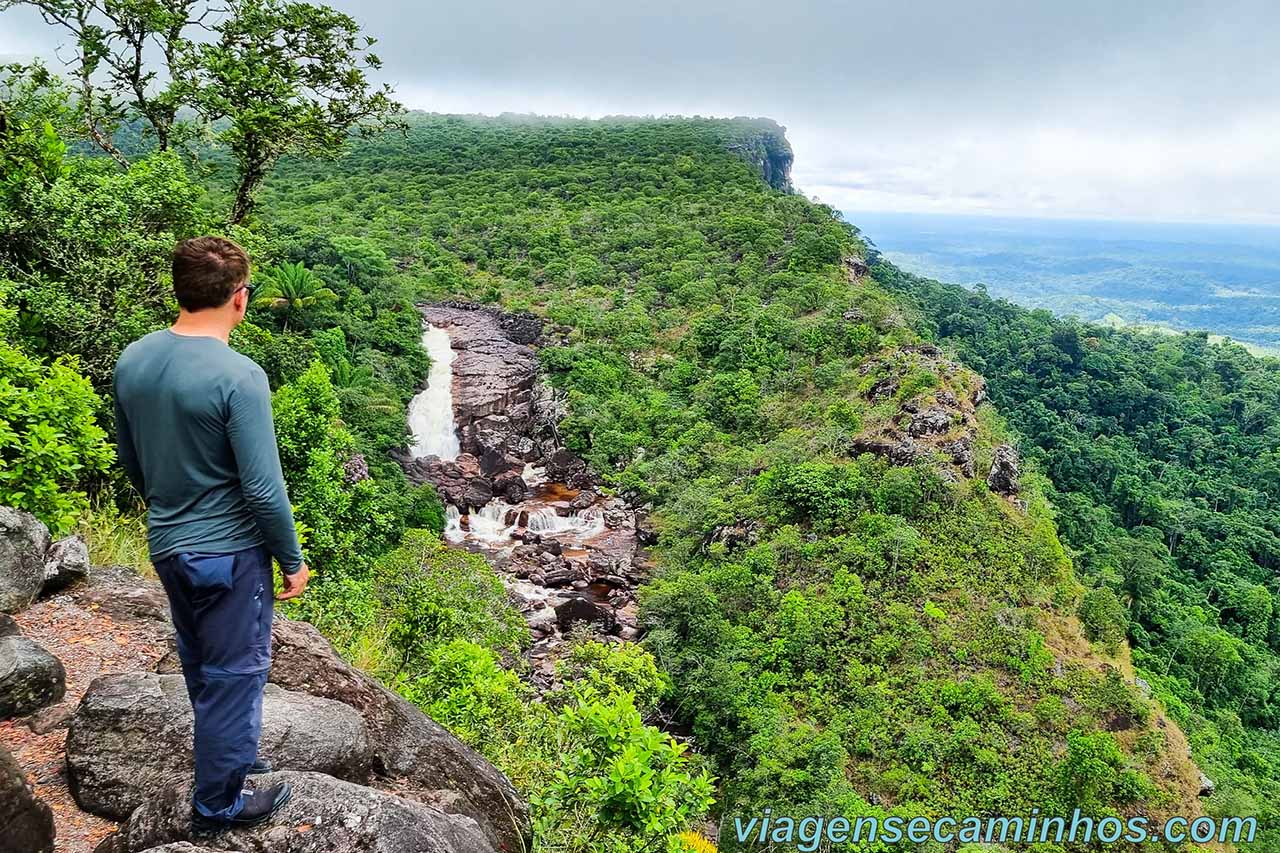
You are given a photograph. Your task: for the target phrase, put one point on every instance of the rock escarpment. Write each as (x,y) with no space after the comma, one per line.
(764,145)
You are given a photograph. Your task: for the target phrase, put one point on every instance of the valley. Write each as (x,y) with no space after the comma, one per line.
(1174,277)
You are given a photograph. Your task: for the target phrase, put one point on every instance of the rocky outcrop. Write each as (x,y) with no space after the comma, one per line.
(325,815)
(1003,477)
(29,565)
(496,398)
(26,823)
(1207,786)
(130,739)
(66,562)
(408,746)
(493,375)
(30,677)
(24,542)
(763,144)
(935,423)
(470,482)
(579,608)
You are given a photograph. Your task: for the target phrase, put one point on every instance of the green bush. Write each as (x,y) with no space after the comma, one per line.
(50,441)
(1104,617)
(592,670)
(433,594)
(463,687)
(345,522)
(621,785)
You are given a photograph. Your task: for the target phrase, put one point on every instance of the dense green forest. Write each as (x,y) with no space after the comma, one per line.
(1164,456)
(832,632)
(841,635)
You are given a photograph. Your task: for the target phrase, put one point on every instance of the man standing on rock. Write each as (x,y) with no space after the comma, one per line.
(196,437)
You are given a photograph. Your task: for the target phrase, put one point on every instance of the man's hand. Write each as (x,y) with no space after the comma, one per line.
(295,583)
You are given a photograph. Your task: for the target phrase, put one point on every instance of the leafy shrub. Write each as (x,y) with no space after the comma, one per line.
(345,523)
(425,510)
(1104,617)
(284,357)
(595,670)
(621,783)
(432,594)
(50,442)
(462,686)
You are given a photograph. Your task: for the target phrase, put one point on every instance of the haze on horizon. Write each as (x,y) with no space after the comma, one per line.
(1139,110)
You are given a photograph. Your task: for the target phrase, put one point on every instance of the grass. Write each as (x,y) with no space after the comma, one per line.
(116,538)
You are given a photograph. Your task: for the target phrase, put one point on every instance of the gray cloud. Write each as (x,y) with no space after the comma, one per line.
(1095,107)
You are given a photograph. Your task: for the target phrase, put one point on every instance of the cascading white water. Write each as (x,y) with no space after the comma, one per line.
(581,524)
(495,524)
(453,531)
(431,411)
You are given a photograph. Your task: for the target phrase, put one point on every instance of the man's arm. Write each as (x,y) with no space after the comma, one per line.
(127,453)
(253,440)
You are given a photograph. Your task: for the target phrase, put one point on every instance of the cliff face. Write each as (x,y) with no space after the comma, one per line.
(763,143)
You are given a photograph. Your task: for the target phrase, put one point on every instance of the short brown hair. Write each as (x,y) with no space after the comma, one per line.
(207,271)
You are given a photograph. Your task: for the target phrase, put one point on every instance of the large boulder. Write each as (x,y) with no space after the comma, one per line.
(579,608)
(325,815)
(24,541)
(66,562)
(181,847)
(30,677)
(131,738)
(26,822)
(118,592)
(407,744)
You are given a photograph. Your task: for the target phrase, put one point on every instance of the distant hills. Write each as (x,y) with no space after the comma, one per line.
(1224,279)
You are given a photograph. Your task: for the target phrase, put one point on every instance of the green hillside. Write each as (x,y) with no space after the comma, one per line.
(844,635)
(1164,455)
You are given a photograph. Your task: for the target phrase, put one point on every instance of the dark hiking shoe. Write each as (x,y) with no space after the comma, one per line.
(259,807)
(259,767)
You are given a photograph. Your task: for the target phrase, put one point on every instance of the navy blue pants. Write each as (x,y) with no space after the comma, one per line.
(222,608)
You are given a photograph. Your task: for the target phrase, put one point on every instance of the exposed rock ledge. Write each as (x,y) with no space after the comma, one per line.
(371,771)
(504,417)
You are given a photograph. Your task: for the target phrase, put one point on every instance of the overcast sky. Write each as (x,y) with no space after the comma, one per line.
(1112,108)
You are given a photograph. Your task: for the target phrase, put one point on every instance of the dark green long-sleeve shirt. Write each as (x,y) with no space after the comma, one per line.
(193,420)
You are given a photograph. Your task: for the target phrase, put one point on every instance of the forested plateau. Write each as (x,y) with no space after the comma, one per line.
(861,600)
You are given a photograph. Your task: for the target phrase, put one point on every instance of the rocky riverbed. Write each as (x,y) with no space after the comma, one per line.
(567,552)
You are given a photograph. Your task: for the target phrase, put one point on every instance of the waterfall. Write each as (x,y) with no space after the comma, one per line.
(580,523)
(488,524)
(431,411)
(495,524)
(453,531)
